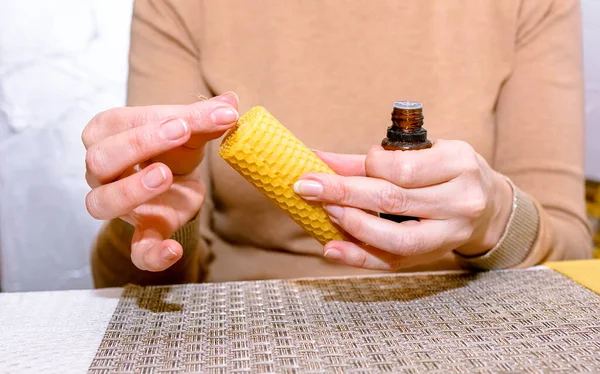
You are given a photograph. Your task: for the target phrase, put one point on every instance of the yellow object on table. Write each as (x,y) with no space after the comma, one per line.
(592,197)
(270,157)
(584,272)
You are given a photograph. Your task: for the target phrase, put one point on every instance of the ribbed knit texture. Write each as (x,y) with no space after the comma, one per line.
(518,237)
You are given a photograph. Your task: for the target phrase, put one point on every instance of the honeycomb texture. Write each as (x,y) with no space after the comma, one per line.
(270,157)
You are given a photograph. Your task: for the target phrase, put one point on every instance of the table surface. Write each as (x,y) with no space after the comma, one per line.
(61,331)
(53,332)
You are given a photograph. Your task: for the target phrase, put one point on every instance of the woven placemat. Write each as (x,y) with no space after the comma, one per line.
(512,321)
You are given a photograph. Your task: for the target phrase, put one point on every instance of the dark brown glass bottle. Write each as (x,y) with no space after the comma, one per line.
(405,134)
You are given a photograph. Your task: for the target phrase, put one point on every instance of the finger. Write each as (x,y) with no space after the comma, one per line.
(113,121)
(381,196)
(225,116)
(109,158)
(150,252)
(185,159)
(211,118)
(229,97)
(121,197)
(207,119)
(405,239)
(420,168)
(360,256)
(94,182)
(367,257)
(181,160)
(344,164)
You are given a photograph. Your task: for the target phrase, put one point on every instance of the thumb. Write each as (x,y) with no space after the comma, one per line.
(150,251)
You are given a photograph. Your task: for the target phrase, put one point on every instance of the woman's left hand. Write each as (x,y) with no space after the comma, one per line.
(462,203)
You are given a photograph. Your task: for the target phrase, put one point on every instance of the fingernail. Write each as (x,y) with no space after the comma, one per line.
(154,178)
(169,254)
(333,254)
(224,116)
(308,188)
(174,129)
(335,211)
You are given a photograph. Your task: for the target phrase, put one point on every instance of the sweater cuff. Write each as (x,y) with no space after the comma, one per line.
(188,235)
(518,238)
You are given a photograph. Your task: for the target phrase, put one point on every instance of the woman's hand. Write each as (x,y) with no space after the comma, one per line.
(462,204)
(142,165)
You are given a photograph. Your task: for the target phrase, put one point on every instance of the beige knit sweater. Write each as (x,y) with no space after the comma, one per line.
(505,76)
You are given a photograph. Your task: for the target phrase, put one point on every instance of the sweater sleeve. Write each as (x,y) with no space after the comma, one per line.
(163,69)
(540,128)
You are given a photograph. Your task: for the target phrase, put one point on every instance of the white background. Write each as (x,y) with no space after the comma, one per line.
(61,62)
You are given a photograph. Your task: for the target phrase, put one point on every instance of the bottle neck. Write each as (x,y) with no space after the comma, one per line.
(407,120)
(406,132)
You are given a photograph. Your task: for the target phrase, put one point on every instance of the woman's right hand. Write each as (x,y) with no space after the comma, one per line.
(142,164)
